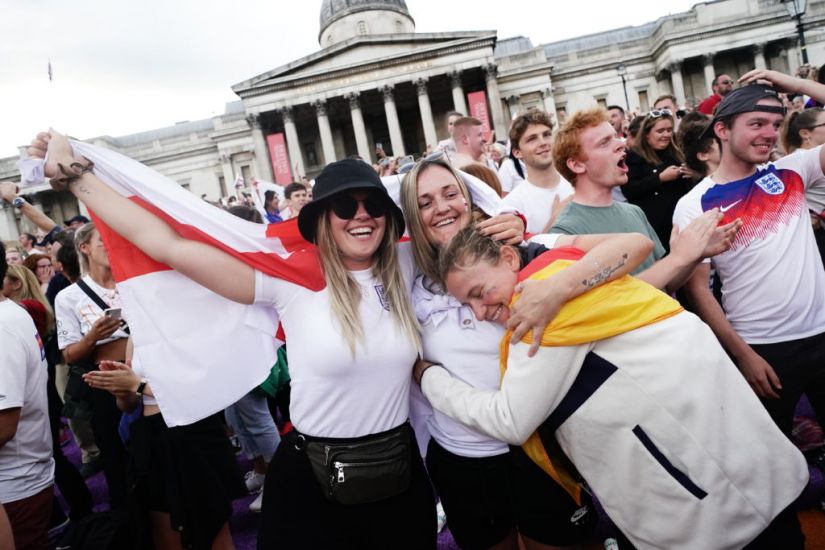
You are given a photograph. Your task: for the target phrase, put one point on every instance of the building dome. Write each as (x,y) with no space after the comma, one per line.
(343,19)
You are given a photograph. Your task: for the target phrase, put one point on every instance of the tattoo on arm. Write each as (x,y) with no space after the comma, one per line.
(603,274)
(80,187)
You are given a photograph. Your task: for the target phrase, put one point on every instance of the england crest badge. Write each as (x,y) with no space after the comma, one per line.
(382,296)
(771,184)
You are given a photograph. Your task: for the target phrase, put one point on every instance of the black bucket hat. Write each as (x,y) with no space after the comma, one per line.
(335,178)
(744,100)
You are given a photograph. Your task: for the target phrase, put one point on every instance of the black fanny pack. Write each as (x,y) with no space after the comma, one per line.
(361,470)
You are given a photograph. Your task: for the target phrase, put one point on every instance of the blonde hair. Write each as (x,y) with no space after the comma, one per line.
(467,248)
(29,290)
(426,253)
(345,292)
(83,236)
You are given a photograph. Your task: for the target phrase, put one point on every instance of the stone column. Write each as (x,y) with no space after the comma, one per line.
(710,72)
(676,82)
(396,140)
(228,175)
(793,56)
(430,137)
(459,104)
(296,157)
(500,125)
(514,103)
(327,144)
(261,150)
(8,224)
(549,104)
(759,56)
(358,128)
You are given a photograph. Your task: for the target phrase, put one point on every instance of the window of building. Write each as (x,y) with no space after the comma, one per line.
(312,155)
(222,185)
(644,102)
(601,102)
(246,173)
(362,28)
(561,113)
(398,26)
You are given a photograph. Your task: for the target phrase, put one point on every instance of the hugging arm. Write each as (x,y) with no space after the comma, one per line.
(607,258)
(527,396)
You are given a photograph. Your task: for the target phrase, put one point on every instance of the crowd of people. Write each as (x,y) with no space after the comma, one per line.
(620,308)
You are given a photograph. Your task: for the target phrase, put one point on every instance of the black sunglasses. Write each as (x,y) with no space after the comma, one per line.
(345,205)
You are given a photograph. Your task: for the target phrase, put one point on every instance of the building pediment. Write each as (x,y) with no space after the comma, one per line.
(364,54)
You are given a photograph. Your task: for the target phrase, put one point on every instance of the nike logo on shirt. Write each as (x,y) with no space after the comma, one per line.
(724,209)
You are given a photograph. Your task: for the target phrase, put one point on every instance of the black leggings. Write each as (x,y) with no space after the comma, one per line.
(66,476)
(113,455)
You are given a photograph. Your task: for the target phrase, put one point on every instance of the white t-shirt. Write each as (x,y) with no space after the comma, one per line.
(26,465)
(536,203)
(773,285)
(75,312)
(469,350)
(333,393)
(508,176)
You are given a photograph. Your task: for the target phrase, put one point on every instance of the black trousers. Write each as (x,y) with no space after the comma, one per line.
(800,366)
(113,455)
(297,515)
(66,476)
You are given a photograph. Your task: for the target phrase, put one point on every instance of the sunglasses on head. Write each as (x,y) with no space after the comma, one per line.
(429,158)
(345,205)
(660,113)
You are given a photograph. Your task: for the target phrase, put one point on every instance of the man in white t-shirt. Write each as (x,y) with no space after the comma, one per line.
(26,465)
(540,198)
(448,145)
(773,285)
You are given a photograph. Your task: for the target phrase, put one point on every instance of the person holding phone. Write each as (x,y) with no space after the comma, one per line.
(87,336)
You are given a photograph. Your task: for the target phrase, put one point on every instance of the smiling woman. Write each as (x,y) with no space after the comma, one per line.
(516,495)
(655,178)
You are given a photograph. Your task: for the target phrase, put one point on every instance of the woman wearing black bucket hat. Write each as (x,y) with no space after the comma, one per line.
(351,347)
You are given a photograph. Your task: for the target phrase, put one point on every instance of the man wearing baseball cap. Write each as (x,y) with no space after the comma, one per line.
(773,285)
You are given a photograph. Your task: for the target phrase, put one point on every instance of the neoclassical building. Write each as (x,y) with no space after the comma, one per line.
(377,82)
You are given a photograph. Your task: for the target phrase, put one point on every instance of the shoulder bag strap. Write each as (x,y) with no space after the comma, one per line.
(99,301)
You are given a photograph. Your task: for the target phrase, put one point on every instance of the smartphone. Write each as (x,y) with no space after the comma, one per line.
(113,313)
(409,159)
(379,145)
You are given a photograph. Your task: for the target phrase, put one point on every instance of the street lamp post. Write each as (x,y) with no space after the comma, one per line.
(621,70)
(796,9)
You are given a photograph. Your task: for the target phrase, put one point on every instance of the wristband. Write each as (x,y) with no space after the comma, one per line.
(140,388)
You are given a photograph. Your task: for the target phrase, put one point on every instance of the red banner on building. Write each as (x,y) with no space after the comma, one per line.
(477,102)
(280,158)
